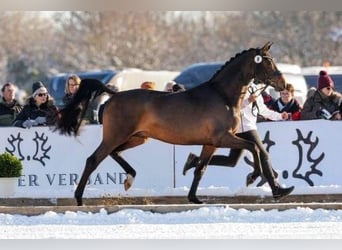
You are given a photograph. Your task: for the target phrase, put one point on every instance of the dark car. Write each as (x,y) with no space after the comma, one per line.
(56,85)
(311,75)
(197,73)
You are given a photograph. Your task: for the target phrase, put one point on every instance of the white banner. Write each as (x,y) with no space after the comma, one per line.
(304,153)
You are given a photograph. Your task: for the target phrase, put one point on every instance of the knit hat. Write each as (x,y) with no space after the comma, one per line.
(324,80)
(38,87)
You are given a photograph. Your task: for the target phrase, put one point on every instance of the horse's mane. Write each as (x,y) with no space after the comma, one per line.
(229,61)
(70,117)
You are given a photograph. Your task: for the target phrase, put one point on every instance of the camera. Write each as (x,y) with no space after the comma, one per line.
(325,114)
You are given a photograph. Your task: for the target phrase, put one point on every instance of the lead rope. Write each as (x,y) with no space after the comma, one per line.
(252,91)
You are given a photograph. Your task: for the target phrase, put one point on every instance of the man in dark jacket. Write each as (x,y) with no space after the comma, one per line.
(9,106)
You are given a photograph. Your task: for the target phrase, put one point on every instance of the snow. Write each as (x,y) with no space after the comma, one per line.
(212,222)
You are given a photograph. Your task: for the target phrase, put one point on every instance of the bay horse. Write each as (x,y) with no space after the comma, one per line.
(206,115)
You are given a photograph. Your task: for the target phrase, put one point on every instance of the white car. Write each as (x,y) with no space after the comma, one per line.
(293,74)
(311,75)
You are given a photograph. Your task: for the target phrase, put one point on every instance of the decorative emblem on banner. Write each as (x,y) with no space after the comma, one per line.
(41,147)
(301,171)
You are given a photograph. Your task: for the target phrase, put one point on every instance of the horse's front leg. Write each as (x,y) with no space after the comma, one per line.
(206,154)
(233,141)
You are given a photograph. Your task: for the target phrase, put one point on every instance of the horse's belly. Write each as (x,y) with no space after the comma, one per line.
(181,138)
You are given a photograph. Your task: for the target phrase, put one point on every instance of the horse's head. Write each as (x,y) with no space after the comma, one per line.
(266,70)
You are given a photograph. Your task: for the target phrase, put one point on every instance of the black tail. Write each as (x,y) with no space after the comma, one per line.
(70,117)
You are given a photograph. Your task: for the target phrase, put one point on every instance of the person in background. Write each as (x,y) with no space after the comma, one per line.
(71,86)
(168,86)
(9,106)
(323,102)
(148,85)
(287,103)
(178,88)
(39,110)
(248,131)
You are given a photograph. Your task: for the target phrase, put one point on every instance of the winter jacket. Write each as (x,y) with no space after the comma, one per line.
(316,101)
(293,107)
(8,112)
(31,111)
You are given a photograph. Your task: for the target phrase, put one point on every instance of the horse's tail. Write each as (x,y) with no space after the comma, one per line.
(70,117)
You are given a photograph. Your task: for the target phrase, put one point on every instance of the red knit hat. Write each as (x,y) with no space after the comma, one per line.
(324,80)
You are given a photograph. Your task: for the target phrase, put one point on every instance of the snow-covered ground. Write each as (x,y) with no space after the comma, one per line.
(213,222)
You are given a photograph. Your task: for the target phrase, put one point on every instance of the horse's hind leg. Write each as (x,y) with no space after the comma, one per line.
(130,171)
(206,154)
(91,164)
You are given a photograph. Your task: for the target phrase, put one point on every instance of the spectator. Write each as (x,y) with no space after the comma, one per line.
(39,109)
(148,85)
(9,106)
(323,102)
(71,86)
(248,131)
(287,103)
(168,86)
(178,88)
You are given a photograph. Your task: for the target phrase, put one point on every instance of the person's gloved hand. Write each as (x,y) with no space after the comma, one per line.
(40,120)
(29,123)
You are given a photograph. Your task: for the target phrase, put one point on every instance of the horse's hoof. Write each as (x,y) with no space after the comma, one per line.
(195,200)
(128,182)
(79,202)
(250,179)
(190,163)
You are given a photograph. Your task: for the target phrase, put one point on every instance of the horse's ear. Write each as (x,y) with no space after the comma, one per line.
(267,46)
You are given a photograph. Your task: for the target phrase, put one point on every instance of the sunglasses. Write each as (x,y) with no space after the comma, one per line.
(42,94)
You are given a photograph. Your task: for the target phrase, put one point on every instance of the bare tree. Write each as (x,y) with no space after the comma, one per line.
(34,46)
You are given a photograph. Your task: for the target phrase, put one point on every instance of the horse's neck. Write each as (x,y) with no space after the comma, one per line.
(233,91)
(232,80)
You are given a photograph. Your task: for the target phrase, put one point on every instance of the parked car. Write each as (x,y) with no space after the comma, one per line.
(199,73)
(311,75)
(56,86)
(132,78)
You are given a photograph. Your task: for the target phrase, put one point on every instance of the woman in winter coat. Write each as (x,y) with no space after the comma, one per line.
(39,110)
(323,102)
